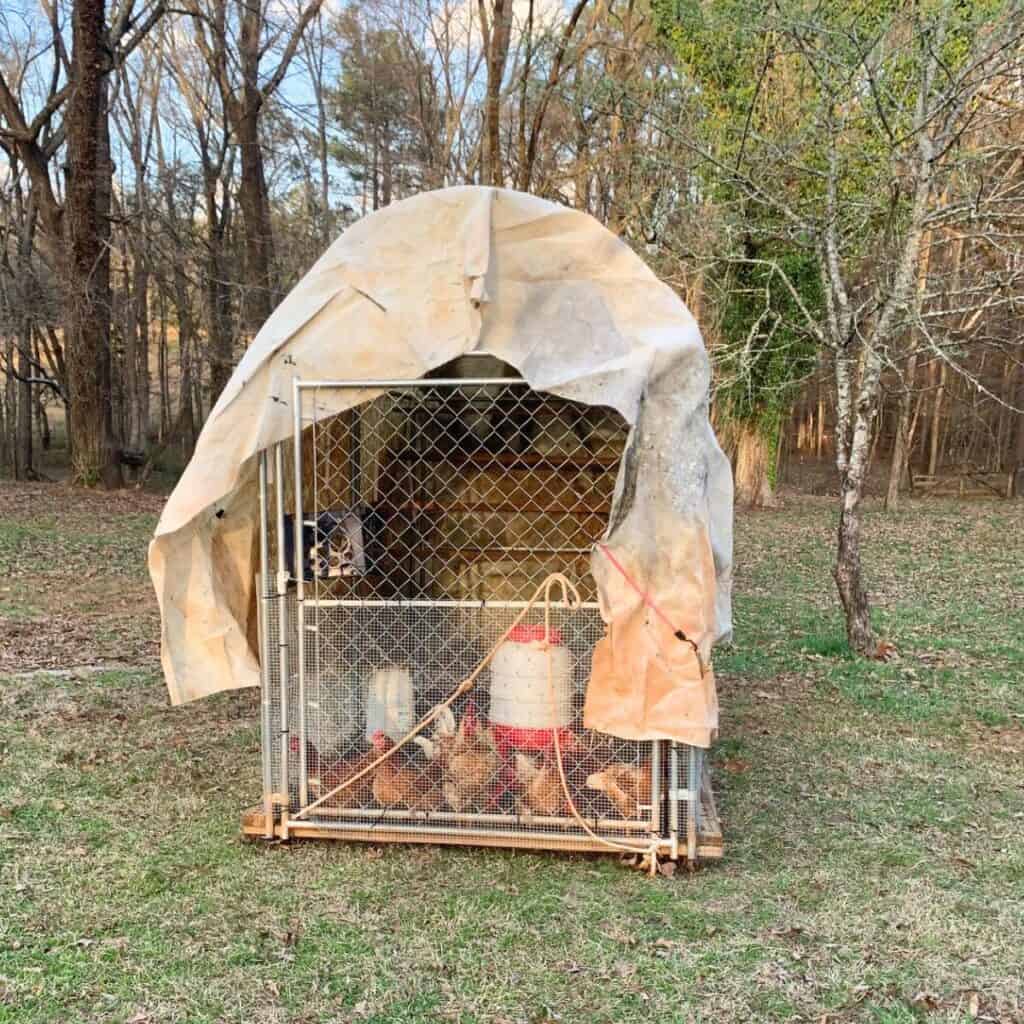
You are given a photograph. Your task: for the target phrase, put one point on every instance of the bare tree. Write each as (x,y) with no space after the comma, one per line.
(496,31)
(235,40)
(906,89)
(74,231)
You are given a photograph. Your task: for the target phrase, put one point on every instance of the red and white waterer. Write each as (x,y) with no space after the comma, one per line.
(526,705)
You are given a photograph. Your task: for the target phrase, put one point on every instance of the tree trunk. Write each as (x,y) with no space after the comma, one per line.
(221,342)
(901,440)
(323,155)
(221,345)
(142,376)
(497,32)
(820,424)
(936,427)
(23,458)
(186,395)
(853,448)
(86,271)
(754,460)
(847,572)
(45,439)
(257,296)
(10,409)
(1018,456)
(129,354)
(163,375)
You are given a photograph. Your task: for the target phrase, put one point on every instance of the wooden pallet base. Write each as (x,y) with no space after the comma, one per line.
(709,846)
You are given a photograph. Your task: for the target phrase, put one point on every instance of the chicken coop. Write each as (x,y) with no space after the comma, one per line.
(401,543)
(461,517)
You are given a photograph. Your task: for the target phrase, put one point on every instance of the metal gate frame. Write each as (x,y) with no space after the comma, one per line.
(678,772)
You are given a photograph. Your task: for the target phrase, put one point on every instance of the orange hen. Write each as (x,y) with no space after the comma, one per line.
(325,777)
(542,791)
(628,786)
(470,764)
(402,786)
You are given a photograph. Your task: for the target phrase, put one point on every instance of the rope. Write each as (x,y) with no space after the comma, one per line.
(572,600)
(646,598)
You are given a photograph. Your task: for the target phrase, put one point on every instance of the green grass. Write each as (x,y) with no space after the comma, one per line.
(946,581)
(874,820)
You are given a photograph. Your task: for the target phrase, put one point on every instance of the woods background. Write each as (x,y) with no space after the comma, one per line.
(837,194)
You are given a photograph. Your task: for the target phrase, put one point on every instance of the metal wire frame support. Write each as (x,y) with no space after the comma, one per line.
(282,627)
(300,592)
(265,680)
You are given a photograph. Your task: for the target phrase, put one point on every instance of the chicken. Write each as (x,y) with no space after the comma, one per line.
(470,764)
(324,776)
(542,791)
(465,756)
(439,745)
(627,786)
(395,785)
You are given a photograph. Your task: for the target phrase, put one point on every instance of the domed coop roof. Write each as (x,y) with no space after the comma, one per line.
(551,292)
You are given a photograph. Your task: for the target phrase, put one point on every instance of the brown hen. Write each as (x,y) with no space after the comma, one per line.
(628,786)
(401,785)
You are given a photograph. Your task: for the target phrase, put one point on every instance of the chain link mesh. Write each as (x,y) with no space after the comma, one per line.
(429,517)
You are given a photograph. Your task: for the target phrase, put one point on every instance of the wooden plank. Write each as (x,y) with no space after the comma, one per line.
(606,825)
(709,847)
(512,460)
(254,821)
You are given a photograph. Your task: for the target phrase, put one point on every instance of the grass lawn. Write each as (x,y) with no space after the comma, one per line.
(873,815)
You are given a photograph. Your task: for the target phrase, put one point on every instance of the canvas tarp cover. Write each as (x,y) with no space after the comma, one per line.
(551,292)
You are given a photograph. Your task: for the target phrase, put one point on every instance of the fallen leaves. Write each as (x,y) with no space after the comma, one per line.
(75,578)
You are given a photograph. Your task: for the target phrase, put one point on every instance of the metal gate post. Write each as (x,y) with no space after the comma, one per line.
(656,816)
(673,797)
(262,598)
(300,576)
(282,628)
(696,773)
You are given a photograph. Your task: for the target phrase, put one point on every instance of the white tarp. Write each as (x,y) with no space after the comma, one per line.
(554,294)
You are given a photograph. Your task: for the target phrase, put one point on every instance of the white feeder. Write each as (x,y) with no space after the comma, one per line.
(390,702)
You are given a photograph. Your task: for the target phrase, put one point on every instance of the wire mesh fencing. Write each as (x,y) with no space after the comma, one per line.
(402,540)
